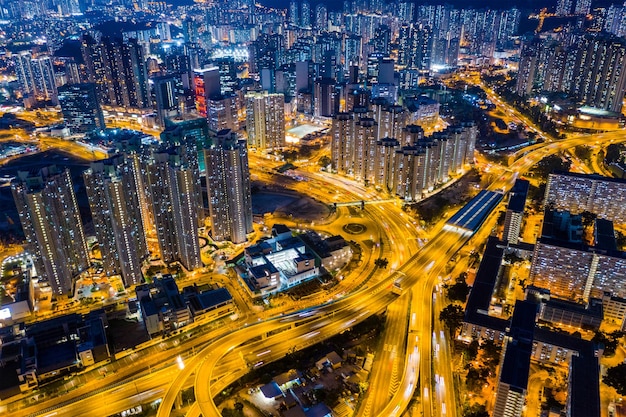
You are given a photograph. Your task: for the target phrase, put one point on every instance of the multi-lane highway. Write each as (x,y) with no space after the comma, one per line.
(386,375)
(416,271)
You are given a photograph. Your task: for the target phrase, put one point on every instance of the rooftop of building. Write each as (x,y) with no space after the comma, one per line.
(210,299)
(262,271)
(562,225)
(472,215)
(517,199)
(482,290)
(516,364)
(604,235)
(585,384)
(523,321)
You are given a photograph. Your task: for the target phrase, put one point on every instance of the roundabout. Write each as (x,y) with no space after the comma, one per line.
(354,228)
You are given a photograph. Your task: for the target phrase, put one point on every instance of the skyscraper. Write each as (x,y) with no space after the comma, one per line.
(228,185)
(115,208)
(174,205)
(321,17)
(341,145)
(118,68)
(528,67)
(191,133)
(563,7)
(167,90)
(599,78)
(207,86)
(265,120)
(80,107)
(325,98)
(582,7)
(50,218)
(305,12)
(294,15)
(35,76)
(223,113)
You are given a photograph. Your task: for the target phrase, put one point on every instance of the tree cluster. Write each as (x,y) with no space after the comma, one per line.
(616,378)
(459,290)
(452,317)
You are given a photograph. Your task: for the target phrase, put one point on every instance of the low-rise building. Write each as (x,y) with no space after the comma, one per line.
(524,345)
(162,306)
(285,260)
(31,355)
(614,310)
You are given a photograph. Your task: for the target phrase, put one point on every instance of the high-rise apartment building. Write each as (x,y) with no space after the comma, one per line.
(174,205)
(321,17)
(305,14)
(227,69)
(515,361)
(80,107)
(222,112)
(575,272)
(325,98)
(341,145)
(35,76)
(564,7)
(191,134)
(207,87)
(589,70)
(414,46)
(391,119)
(365,139)
(228,185)
(571,269)
(582,7)
(168,90)
(50,218)
(408,165)
(603,196)
(599,79)
(265,120)
(294,13)
(115,207)
(118,68)
(528,67)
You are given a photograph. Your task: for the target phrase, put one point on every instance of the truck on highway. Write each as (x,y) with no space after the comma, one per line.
(396,288)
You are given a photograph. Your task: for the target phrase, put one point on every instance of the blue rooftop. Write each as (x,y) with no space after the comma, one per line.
(474,213)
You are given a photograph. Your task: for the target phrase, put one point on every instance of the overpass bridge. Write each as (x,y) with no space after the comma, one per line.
(362,203)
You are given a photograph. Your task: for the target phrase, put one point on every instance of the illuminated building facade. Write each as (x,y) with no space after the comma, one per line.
(119,70)
(265,120)
(116,212)
(174,205)
(80,107)
(35,76)
(417,164)
(206,83)
(228,185)
(576,193)
(50,218)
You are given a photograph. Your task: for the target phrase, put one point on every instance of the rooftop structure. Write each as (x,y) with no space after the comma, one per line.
(284,261)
